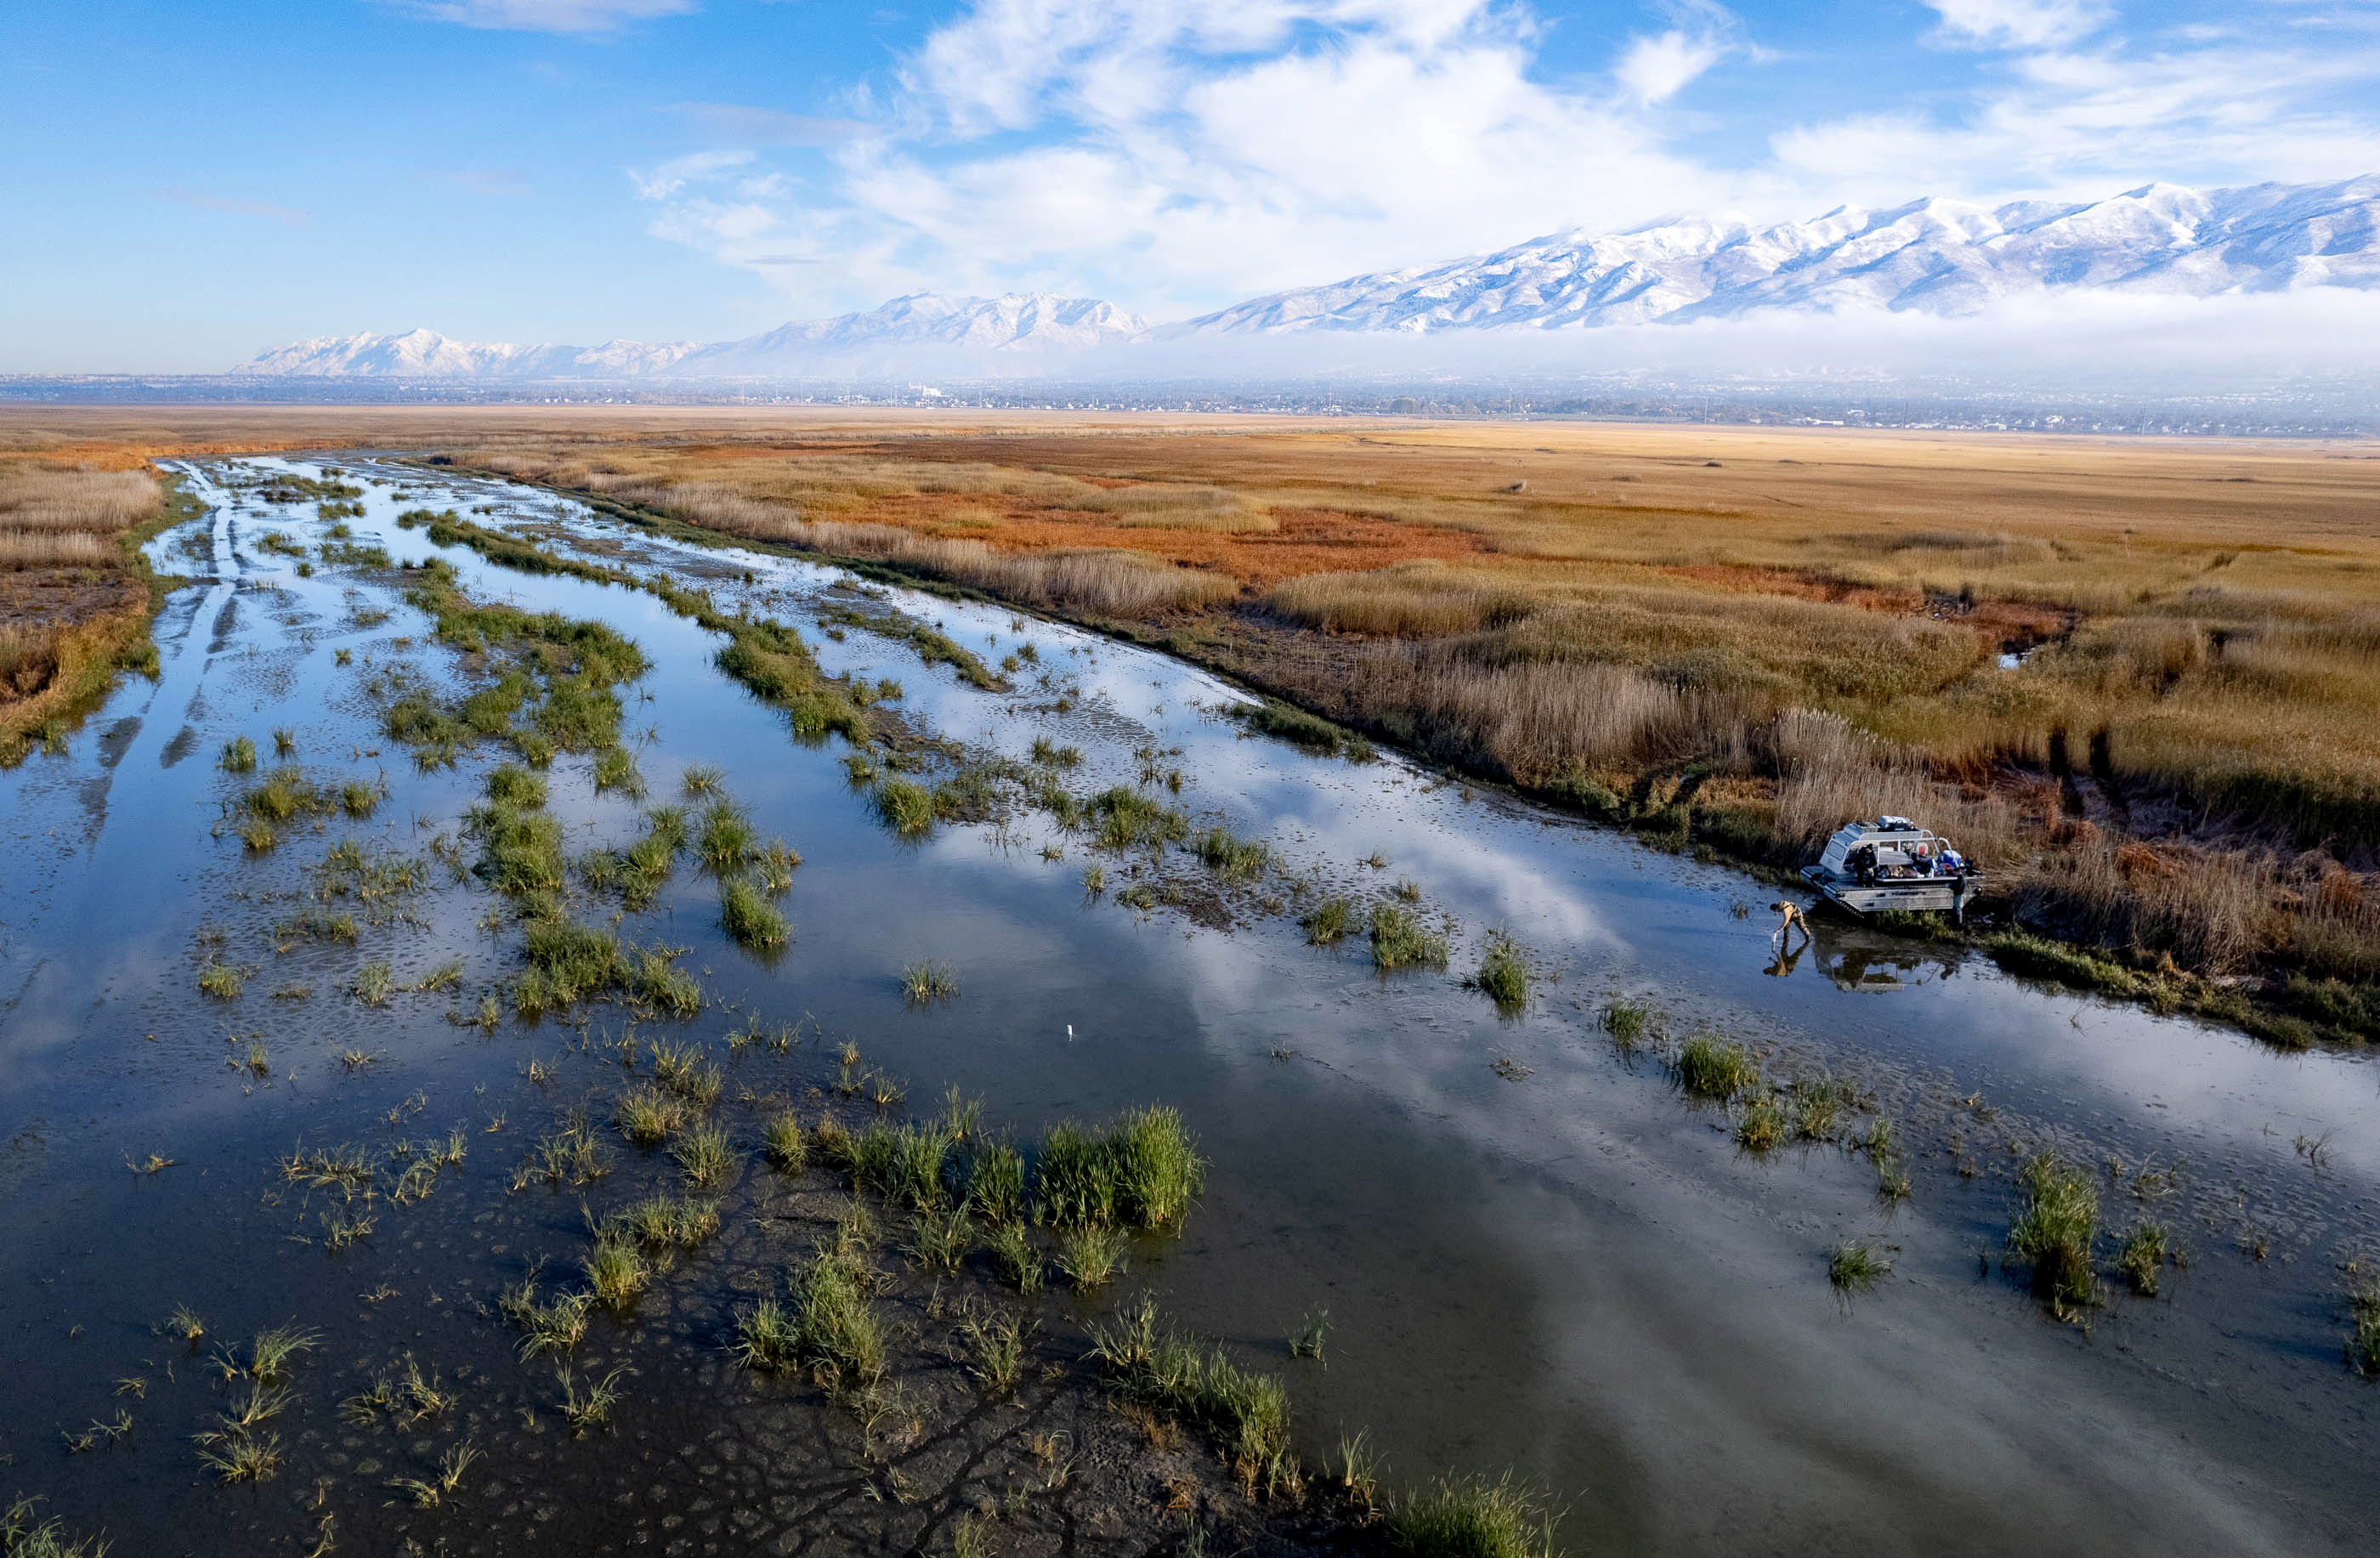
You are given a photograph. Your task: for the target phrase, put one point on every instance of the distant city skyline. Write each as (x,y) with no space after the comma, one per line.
(191,183)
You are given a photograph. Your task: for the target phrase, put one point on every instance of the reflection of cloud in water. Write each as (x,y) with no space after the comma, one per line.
(1566,890)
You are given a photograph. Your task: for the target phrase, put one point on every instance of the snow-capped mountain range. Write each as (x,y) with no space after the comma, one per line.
(1933,256)
(1016,324)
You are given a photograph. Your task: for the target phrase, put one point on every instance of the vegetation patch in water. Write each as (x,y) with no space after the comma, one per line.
(1472,1517)
(2055,1232)
(1712,1067)
(1246,1414)
(1400,941)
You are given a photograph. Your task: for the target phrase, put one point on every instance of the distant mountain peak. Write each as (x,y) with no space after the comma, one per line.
(886,339)
(1935,254)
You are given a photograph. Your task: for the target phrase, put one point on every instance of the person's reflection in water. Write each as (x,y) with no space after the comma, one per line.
(1786,962)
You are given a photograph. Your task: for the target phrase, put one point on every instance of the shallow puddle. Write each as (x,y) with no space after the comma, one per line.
(1533,1251)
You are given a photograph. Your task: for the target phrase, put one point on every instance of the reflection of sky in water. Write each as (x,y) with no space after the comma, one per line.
(1383,1149)
(1583,899)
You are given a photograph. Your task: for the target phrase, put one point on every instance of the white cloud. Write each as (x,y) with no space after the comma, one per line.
(1175,155)
(546,16)
(1182,152)
(1656,69)
(672,176)
(2021,24)
(2084,122)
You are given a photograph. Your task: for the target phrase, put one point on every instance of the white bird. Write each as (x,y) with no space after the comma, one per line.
(1069,1033)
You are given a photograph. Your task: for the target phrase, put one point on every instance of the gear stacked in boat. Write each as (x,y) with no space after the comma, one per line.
(1892,863)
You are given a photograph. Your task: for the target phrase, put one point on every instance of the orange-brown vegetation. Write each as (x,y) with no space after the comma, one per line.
(74,600)
(1743,635)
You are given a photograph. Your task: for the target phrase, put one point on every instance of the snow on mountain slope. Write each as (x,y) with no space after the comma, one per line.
(903,332)
(1937,256)
(425,354)
(1014,322)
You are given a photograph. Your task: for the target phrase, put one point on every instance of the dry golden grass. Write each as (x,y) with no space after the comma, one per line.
(1797,626)
(71,611)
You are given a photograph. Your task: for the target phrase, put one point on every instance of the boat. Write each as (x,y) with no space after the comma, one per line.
(1892,863)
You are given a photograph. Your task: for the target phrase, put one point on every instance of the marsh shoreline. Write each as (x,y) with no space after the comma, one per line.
(1575,1265)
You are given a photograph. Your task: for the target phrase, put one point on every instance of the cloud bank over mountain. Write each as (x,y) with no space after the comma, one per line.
(2272,280)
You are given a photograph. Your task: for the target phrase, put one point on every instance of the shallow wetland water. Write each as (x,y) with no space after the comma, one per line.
(1535,1252)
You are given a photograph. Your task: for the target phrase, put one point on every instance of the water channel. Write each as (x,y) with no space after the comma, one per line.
(1533,1251)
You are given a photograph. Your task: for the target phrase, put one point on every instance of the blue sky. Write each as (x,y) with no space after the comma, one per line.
(187,182)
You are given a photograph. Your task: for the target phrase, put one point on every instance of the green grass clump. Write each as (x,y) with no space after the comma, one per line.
(1503,974)
(724,840)
(358,798)
(705,1155)
(238,756)
(1710,1067)
(998,1344)
(1236,859)
(1628,1022)
(783,1143)
(1327,922)
(683,1069)
(996,1185)
(1048,754)
(929,980)
(773,866)
(1856,1267)
(2363,1340)
(616,1272)
(1246,1414)
(1295,725)
(522,855)
(650,1117)
(1818,1104)
(905,805)
(662,1225)
(570,962)
(1075,1178)
(283,795)
(1017,1256)
(702,779)
(550,1327)
(22,1537)
(1762,1125)
(1399,940)
(515,787)
(1142,1170)
(2142,1255)
(577,960)
(831,1327)
(1091,1253)
(2054,1229)
(1126,820)
(916,1174)
(221,980)
(941,1240)
(747,916)
(767,1338)
(647,863)
(617,769)
(372,984)
(1471,1517)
